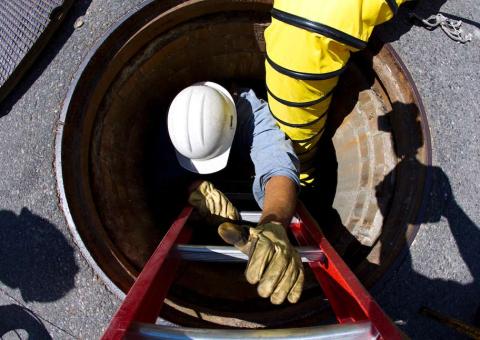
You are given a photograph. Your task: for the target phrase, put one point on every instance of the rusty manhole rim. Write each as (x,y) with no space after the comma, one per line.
(135,13)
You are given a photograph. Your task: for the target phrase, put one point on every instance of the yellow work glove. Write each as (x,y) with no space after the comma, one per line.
(212,205)
(273,262)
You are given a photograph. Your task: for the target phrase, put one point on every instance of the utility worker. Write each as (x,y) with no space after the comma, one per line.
(308,45)
(203,122)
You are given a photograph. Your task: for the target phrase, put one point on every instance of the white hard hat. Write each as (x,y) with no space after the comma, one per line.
(201,123)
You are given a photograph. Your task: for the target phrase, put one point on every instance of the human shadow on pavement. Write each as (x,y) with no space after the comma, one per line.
(35,257)
(407,290)
(346,96)
(14,318)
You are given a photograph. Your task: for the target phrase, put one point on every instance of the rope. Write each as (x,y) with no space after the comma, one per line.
(451,27)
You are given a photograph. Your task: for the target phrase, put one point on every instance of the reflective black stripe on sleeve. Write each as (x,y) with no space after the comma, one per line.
(319,28)
(303,75)
(298,125)
(309,168)
(302,104)
(393,6)
(312,148)
(309,138)
(299,154)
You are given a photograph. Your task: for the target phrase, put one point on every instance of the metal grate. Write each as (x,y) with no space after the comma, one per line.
(24,27)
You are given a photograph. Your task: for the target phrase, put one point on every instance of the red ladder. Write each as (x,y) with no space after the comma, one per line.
(358,315)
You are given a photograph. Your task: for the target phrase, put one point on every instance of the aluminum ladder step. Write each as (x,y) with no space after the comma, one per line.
(202,253)
(353,331)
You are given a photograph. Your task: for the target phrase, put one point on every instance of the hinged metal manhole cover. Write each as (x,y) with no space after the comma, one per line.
(25,27)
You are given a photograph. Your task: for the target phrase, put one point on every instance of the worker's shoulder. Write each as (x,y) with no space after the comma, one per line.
(249,105)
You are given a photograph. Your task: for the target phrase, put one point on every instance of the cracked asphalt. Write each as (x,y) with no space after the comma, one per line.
(48,289)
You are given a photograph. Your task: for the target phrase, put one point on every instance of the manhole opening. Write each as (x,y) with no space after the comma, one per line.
(121,185)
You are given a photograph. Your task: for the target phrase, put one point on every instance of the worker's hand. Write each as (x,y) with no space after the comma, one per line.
(273,262)
(212,205)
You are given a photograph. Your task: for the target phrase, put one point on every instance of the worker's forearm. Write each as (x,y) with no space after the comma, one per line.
(280,201)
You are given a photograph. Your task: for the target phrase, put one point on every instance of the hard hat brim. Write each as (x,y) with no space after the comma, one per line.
(204,167)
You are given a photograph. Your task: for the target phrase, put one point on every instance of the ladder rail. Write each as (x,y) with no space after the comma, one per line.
(145,298)
(349,299)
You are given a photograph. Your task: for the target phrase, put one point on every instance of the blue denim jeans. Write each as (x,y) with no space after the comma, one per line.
(271,152)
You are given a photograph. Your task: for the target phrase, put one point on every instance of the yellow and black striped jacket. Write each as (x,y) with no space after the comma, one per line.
(308,45)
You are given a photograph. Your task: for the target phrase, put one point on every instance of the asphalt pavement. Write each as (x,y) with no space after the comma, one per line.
(49,290)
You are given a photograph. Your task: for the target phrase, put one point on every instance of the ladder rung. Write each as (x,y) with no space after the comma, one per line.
(232,254)
(357,330)
(254,216)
